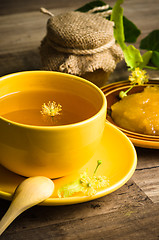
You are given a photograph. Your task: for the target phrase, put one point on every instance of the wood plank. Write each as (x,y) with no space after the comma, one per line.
(21,61)
(147,158)
(147,172)
(126,224)
(19,33)
(19,6)
(127,197)
(148,181)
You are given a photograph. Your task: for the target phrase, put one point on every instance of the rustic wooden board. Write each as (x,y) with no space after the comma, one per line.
(148,180)
(125,225)
(18,6)
(147,173)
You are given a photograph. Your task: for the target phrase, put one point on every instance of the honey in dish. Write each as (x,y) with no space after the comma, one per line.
(25,108)
(139,112)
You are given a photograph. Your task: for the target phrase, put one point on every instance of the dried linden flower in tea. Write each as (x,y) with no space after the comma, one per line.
(51,109)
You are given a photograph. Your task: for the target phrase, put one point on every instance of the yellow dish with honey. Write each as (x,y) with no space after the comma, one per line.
(138,112)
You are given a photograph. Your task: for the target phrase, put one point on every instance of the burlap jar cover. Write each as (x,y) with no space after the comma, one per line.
(81,44)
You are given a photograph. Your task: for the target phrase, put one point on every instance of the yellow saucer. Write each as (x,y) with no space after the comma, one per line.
(119,161)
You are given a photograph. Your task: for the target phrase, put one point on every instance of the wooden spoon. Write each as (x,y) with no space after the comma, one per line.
(30,192)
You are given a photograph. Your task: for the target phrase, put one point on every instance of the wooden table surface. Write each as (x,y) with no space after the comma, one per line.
(131,212)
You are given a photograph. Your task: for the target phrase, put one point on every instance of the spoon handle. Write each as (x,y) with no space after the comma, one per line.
(9,216)
(30,192)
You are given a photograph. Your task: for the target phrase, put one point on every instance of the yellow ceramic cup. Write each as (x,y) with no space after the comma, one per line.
(50,151)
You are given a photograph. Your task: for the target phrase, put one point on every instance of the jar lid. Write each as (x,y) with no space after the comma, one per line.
(79,43)
(80,31)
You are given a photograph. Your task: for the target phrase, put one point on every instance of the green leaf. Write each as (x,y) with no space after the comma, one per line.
(125,30)
(69,189)
(130,30)
(117,18)
(151,42)
(146,58)
(155,58)
(132,56)
(90,6)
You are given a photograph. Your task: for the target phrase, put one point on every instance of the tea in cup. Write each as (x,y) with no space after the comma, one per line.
(51,123)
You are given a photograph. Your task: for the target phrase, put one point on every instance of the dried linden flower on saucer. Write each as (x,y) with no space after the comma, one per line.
(85,184)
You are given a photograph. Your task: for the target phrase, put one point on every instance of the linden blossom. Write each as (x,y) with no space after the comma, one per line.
(138,76)
(87,185)
(90,184)
(51,109)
